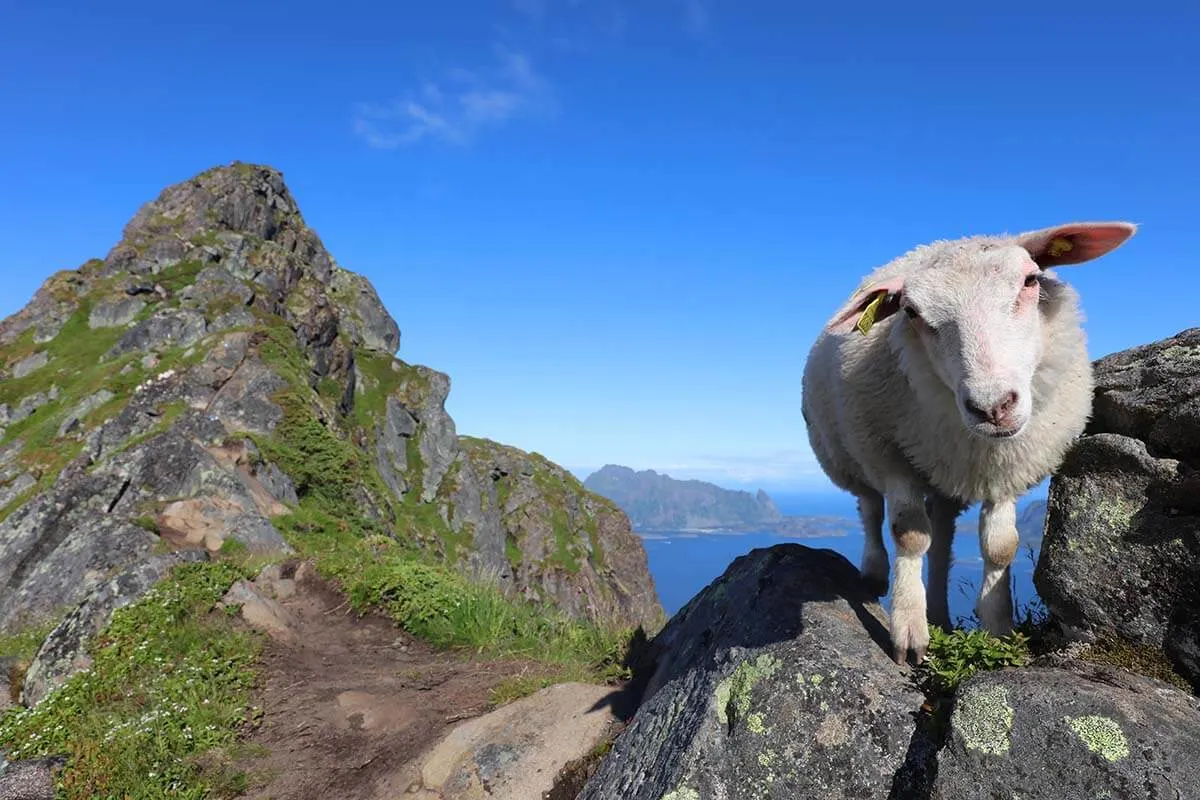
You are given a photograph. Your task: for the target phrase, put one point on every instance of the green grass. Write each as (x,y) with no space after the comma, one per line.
(956,656)
(24,644)
(170,683)
(436,603)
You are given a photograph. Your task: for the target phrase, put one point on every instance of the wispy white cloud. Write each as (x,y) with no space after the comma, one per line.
(454,108)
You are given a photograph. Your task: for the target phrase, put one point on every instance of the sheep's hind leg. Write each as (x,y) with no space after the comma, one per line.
(911,531)
(943,511)
(874,569)
(998,540)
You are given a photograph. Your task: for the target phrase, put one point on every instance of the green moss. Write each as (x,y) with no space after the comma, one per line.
(384,376)
(593,531)
(512,550)
(179,276)
(1141,659)
(733,693)
(329,389)
(24,643)
(984,719)
(169,682)
(146,522)
(1101,735)
(207,238)
(18,501)
(564,542)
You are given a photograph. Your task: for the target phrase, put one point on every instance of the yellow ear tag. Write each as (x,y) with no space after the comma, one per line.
(1059,245)
(867,318)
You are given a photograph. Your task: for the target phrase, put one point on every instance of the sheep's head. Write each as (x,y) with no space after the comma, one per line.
(976,306)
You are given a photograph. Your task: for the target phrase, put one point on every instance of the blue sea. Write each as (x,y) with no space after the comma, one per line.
(683,563)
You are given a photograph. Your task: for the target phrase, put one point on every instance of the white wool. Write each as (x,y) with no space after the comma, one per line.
(888,412)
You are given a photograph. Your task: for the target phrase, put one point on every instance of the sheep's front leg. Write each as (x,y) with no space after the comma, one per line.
(998,541)
(942,513)
(874,569)
(911,531)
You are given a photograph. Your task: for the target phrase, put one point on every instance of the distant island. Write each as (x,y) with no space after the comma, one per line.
(655,501)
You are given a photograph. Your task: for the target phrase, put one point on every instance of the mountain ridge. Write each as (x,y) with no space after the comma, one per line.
(656,501)
(217,370)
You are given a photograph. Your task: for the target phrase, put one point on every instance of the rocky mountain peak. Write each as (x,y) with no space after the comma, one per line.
(242,200)
(217,372)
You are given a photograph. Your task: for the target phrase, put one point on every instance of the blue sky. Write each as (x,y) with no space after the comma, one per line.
(618,225)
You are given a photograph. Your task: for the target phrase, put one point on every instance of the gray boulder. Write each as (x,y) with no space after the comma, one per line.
(30,364)
(1053,734)
(170,327)
(774,682)
(115,312)
(1123,521)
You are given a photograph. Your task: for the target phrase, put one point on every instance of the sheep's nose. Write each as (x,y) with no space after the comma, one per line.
(999,415)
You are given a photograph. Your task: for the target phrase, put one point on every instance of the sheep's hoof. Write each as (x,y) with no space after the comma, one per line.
(910,633)
(900,655)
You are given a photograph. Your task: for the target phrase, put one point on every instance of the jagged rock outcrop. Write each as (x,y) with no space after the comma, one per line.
(775,682)
(218,369)
(1069,734)
(1121,555)
(535,529)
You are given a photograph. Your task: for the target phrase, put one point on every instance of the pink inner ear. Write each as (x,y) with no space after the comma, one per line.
(1088,240)
(847,316)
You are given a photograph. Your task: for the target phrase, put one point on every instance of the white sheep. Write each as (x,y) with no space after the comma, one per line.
(973,394)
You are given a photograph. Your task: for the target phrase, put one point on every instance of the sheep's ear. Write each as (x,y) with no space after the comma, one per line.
(869,305)
(1076,242)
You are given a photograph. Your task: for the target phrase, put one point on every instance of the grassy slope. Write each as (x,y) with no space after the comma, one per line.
(169,692)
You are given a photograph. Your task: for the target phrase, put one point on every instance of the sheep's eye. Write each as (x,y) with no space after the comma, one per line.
(1031,280)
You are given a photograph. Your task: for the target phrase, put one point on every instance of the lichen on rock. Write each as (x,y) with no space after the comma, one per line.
(983,718)
(1101,735)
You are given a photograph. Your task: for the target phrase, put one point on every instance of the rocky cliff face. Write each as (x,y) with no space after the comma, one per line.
(218,371)
(660,502)
(1120,557)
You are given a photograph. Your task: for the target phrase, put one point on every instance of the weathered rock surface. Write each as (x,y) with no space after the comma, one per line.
(62,654)
(515,752)
(181,393)
(32,779)
(260,611)
(1055,734)
(537,530)
(29,364)
(774,682)
(1122,541)
(115,312)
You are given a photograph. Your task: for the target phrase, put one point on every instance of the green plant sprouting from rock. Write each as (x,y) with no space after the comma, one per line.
(956,656)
